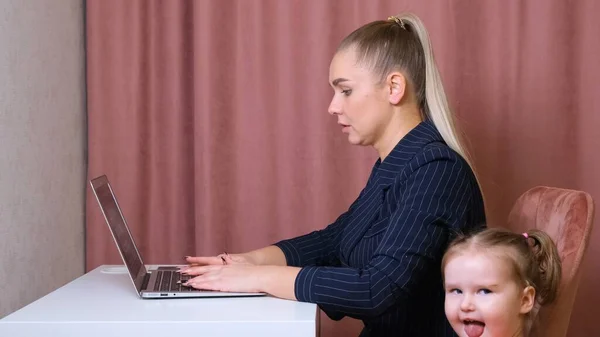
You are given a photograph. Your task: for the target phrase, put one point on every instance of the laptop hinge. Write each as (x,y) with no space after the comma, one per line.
(145,283)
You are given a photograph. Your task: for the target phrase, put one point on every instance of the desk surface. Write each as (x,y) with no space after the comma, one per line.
(103,302)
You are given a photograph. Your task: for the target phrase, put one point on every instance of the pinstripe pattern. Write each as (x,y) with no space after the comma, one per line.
(380,260)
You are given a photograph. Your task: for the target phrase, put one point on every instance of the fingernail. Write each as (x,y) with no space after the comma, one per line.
(186,257)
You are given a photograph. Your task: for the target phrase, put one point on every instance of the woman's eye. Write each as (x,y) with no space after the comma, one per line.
(347,92)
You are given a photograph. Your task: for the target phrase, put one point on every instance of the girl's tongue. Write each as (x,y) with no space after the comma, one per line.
(474,328)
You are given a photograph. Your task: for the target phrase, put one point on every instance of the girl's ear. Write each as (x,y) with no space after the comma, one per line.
(527,300)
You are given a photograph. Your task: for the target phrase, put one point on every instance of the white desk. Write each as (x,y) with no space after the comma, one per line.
(100,304)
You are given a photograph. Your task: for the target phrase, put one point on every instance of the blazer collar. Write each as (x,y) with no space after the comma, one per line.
(414,142)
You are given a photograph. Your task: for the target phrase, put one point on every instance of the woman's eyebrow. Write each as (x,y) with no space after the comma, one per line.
(338,81)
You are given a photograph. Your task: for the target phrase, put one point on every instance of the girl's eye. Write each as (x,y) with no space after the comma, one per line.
(485,291)
(456,291)
(347,92)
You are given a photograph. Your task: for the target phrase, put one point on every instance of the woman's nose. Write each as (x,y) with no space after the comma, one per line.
(334,108)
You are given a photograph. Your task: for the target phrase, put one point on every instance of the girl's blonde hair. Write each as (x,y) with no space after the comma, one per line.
(401,43)
(533,256)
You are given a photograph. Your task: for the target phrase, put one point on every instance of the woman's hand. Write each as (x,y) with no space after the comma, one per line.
(219,260)
(270,255)
(275,280)
(242,277)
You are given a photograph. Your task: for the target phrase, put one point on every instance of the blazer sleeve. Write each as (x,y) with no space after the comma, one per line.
(320,247)
(317,248)
(436,193)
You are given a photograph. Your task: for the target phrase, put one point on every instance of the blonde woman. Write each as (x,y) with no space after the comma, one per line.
(379,261)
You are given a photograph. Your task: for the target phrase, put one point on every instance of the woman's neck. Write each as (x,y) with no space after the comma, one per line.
(404,120)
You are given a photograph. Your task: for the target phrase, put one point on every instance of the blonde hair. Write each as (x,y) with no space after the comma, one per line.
(533,256)
(402,43)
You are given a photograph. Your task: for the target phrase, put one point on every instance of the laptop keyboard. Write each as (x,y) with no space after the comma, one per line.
(168,281)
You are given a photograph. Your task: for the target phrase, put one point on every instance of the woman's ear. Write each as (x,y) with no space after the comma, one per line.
(396,84)
(528,300)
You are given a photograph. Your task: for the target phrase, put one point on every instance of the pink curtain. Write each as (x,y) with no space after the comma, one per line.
(210,117)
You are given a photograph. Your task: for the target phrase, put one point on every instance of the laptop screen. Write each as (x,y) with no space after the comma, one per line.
(118,227)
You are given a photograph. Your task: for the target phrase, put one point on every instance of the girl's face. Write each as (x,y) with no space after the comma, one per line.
(483,295)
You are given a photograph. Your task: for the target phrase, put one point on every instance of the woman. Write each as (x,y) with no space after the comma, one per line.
(380,260)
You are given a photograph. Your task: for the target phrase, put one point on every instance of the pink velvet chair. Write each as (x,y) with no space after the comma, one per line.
(566,215)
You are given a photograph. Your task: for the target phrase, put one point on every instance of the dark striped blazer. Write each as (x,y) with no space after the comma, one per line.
(380,260)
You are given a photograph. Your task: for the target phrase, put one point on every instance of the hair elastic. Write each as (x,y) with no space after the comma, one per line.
(397,20)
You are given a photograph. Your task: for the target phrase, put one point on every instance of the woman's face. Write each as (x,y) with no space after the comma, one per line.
(360,104)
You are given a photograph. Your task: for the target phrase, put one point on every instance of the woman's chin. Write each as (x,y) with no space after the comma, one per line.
(355,140)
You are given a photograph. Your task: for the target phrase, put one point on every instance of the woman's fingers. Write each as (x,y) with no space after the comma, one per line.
(203,278)
(199,270)
(209,280)
(203,260)
(242,278)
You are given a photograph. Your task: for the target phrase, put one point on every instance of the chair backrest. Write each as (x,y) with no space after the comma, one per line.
(566,215)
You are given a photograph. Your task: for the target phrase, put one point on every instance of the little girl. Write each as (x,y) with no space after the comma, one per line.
(496,281)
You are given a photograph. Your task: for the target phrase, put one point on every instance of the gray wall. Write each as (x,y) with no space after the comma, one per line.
(42,148)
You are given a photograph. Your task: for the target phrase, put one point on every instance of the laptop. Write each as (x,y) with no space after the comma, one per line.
(165,281)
